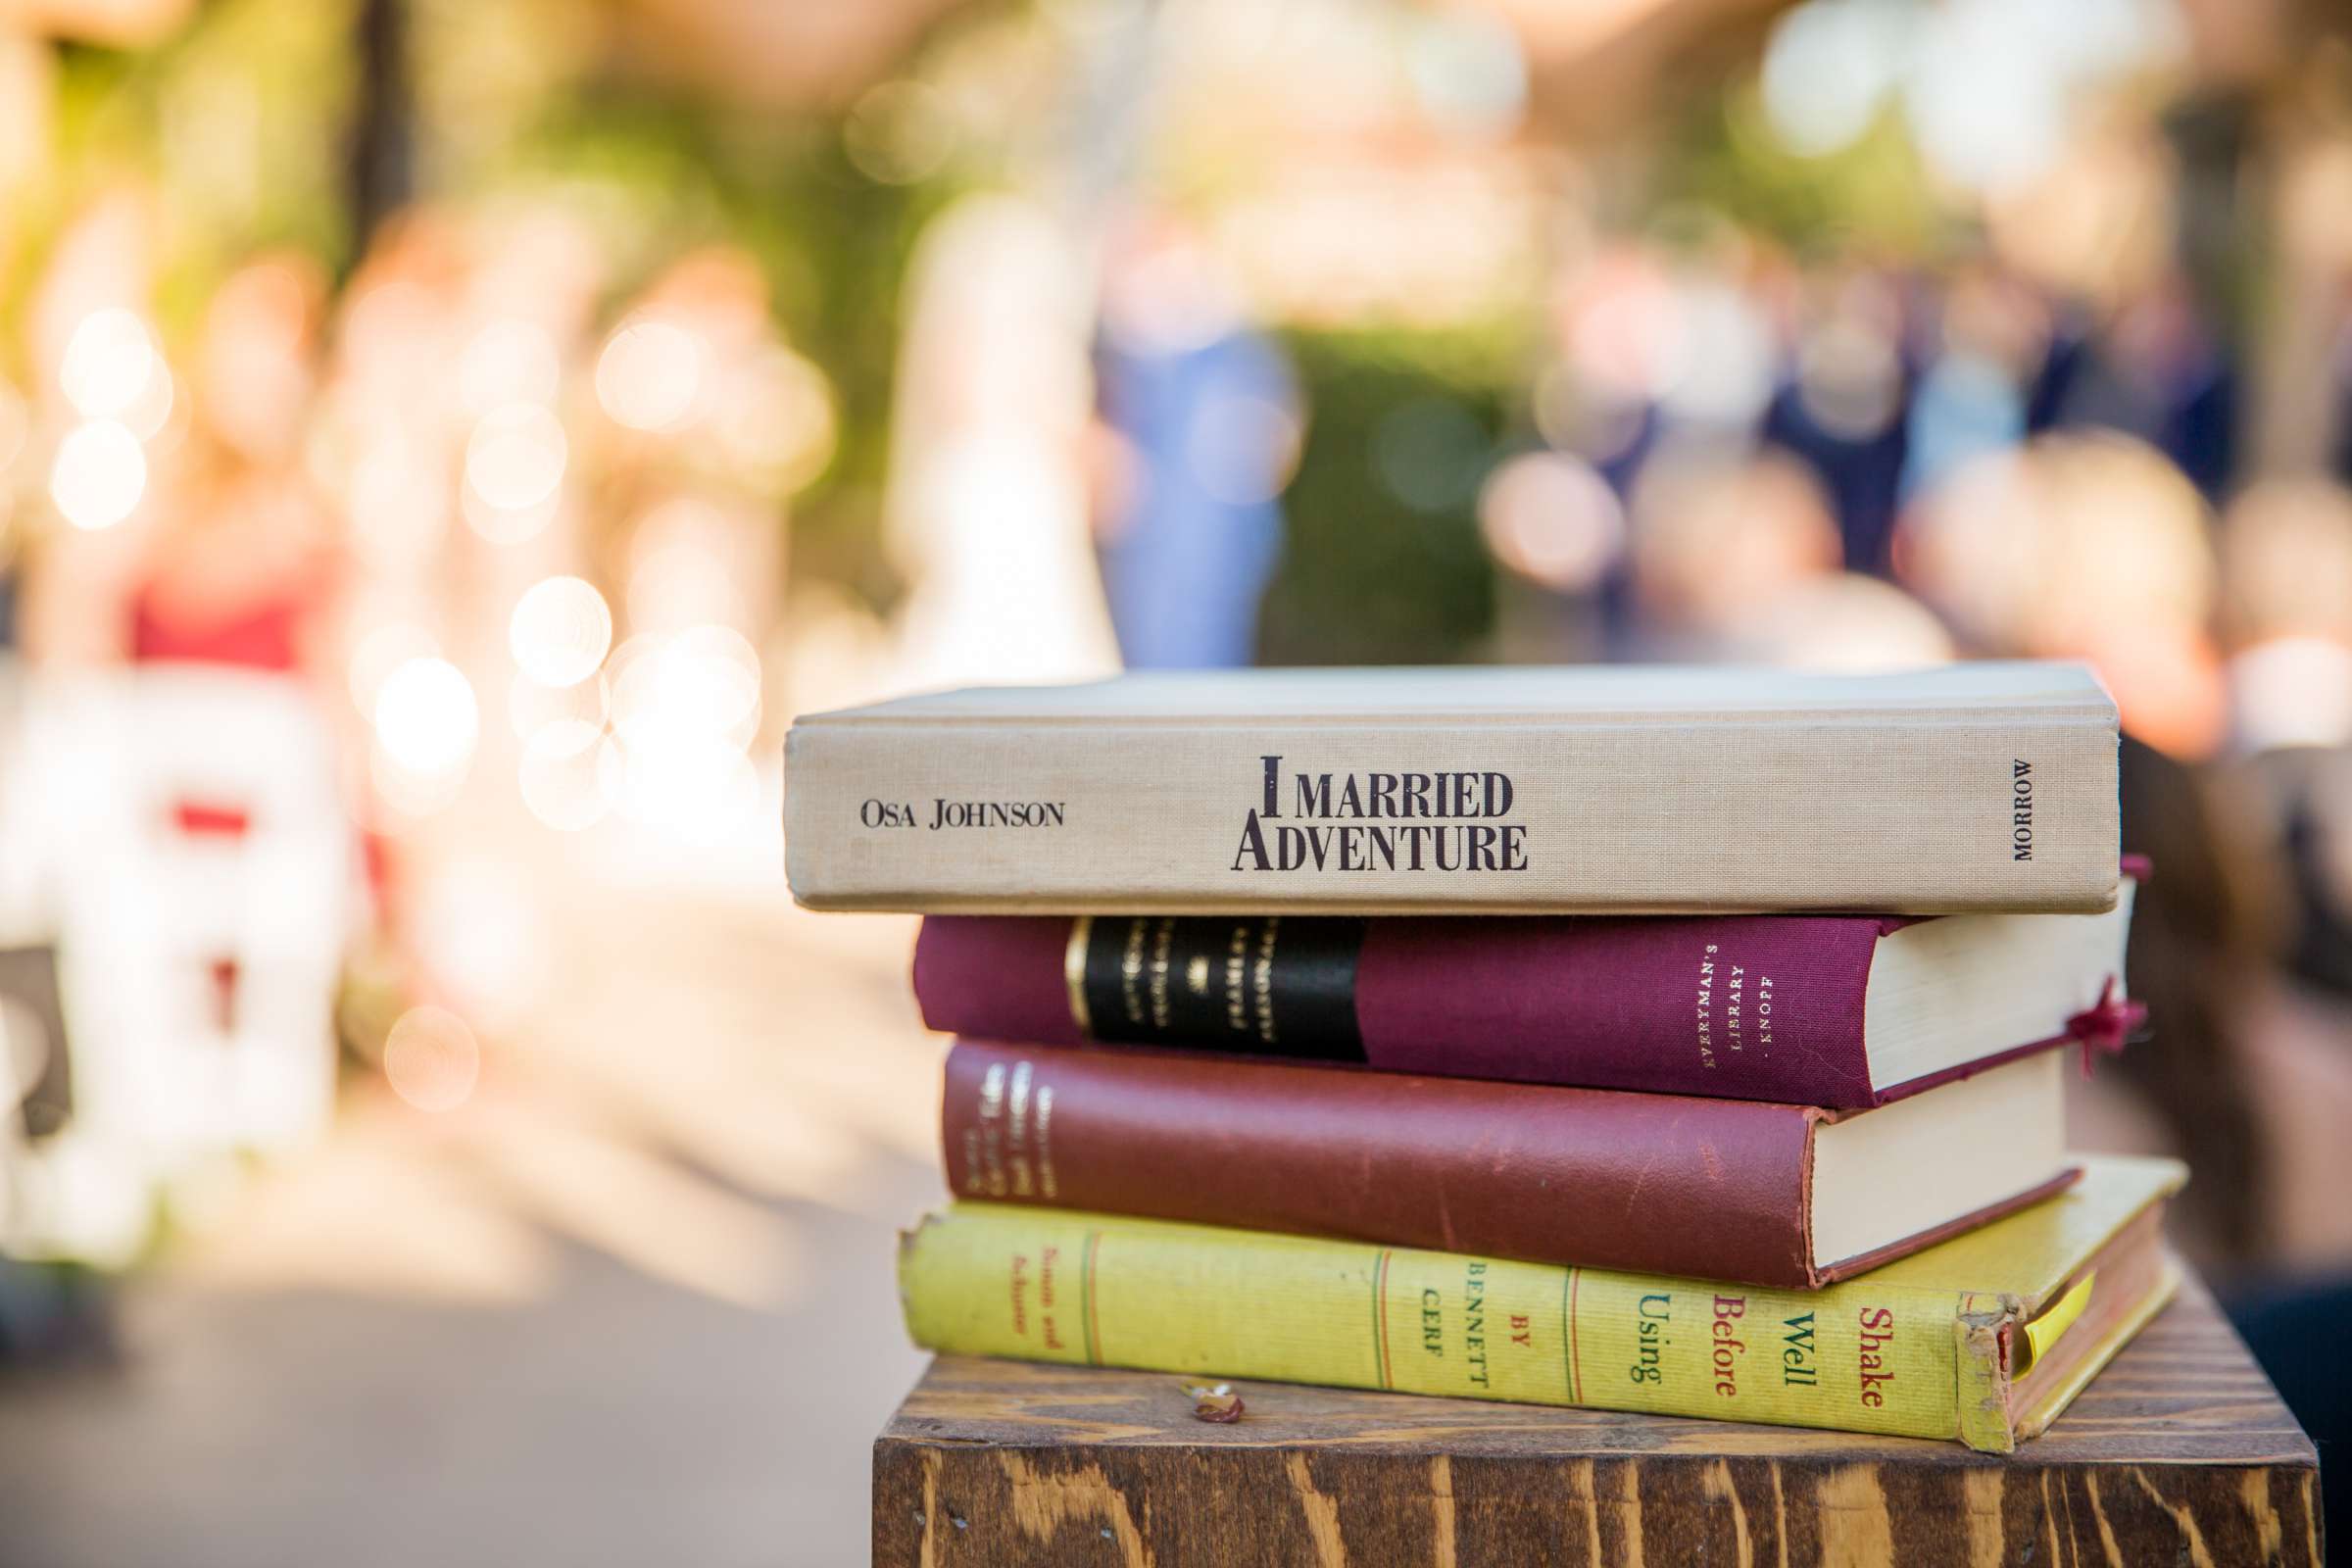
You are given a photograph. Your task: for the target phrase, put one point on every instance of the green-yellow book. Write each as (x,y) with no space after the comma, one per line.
(1984,1337)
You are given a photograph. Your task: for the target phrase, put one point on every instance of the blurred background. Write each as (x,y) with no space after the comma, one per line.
(442,442)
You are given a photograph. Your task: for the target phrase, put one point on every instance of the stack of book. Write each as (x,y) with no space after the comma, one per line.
(1515,1034)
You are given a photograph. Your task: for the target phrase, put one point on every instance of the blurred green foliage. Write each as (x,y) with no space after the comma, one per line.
(237,126)
(661,173)
(241,124)
(1873,196)
(1384,563)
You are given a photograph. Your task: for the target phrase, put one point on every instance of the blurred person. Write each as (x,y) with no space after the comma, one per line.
(1841,407)
(2156,368)
(1989,339)
(1612,310)
(232,741)
(2119,227)
(178,778)
(985,513)
(242,561)
(255,370)
(1714,535)
(1203,409)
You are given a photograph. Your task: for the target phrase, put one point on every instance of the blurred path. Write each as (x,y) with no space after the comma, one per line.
(631,1304)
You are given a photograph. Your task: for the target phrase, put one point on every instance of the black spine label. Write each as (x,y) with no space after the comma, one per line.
(1269,985)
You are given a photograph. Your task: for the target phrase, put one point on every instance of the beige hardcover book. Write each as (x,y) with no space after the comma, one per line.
(1616,789)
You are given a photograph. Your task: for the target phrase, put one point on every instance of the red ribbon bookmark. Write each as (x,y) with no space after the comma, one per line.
(2108,1024)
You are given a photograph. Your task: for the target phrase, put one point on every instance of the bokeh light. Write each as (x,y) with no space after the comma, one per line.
(1551,519)
(149,415)
(1849,379)
(431,1058)
(1469,70)
(684,707)
(425,717)
(508,525)
(516,458)
(900,133)
(110,362)
(650,375)
(776,422)
(1718,366)
(1829,68)
(99,474)
(561,631)
(701,682)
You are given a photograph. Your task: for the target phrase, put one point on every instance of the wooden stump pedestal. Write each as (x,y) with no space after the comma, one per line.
(2180,1452)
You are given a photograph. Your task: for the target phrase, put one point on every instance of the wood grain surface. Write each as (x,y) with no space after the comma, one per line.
(2180,1452)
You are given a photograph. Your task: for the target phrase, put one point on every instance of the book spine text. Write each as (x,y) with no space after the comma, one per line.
(1660,1183)
(1749,1008)
(989,1280)
(1625,817)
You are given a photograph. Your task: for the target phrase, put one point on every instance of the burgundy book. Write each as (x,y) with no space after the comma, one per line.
(1782,1195)
(1840,1010)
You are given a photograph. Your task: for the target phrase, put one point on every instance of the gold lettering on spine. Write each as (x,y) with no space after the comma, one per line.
(1163,942)
(1073,972)
(990,1117)
(1130,971)
(1017,1129)
(1028,1143)
(1045,1181)
(1262,976)
(1236,968)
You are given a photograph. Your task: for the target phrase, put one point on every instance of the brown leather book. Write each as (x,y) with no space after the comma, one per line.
(1770,1195)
